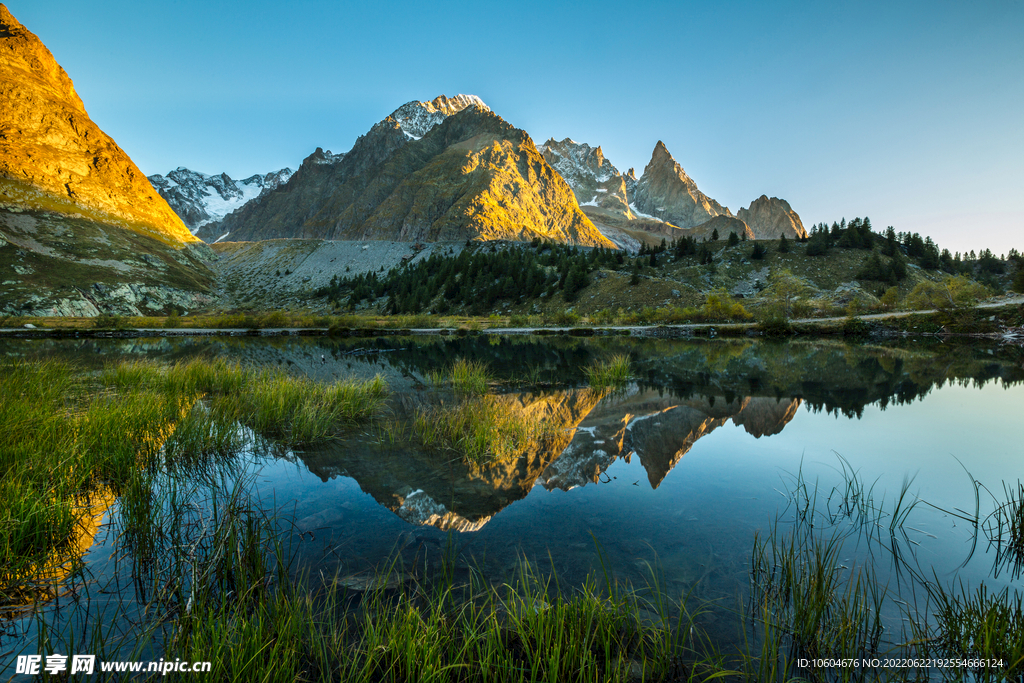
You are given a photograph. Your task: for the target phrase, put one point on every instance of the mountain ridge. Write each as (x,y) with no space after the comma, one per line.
(470,176)
(48,141)
(199,198)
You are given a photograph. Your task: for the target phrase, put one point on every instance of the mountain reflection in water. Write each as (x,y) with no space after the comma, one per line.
(595,428)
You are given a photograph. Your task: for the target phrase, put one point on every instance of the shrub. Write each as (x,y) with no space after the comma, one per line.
(565,318)
(953,293)
(890,298)
(774,323)
(719,305)
(108,321)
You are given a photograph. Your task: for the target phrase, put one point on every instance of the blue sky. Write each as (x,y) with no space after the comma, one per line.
(911,113)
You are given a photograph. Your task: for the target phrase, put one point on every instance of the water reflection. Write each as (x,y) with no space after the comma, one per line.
(677,468)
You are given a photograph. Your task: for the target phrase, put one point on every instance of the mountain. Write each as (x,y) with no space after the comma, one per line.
(771,218)
(48,141)
(663,204)
(593,179)
(417,118)
(199,199)
(469,176)
(665,192)
(82,231)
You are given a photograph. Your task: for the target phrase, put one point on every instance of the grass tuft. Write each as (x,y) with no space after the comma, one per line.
(610,373)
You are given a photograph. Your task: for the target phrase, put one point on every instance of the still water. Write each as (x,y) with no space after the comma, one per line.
(676,471)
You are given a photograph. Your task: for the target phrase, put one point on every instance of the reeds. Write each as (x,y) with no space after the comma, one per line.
(980,625)
(808,605)
(1005,529)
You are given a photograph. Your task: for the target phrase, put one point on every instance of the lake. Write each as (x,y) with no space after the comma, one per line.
(709,443)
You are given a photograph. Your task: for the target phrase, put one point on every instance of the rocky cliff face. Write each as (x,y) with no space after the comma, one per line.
(82,231)
(594,179)
(769,219)
(199,199)
(665,192)
(48,142)
(472,176)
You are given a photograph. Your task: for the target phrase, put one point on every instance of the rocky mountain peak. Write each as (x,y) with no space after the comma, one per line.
(319,156)
(48,141)
(663,161)
(771,218)
(593,178)
(200,199)
(417,118)
(25,54)
(578,160)
(471,176)
(667,193)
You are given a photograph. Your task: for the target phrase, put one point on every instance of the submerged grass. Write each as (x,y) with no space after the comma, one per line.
(1005,529)
(807,604)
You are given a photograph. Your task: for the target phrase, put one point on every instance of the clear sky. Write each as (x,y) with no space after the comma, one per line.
(911,113)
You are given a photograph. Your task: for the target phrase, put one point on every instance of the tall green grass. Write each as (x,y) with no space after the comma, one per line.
(479,429)
(443,632)
(68,434)
(301,410)
(610,373)
(463,376)
(979,624)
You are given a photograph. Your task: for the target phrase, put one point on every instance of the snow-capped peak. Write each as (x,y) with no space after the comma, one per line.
(417,118)
(200,198)
(578,161)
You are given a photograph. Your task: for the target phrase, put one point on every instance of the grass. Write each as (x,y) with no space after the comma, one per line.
(479,429)
(1005,529)
(980,625)
(441,631)
(463,376)
(301,410)
(808,602)
(610,373)
(70,438)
